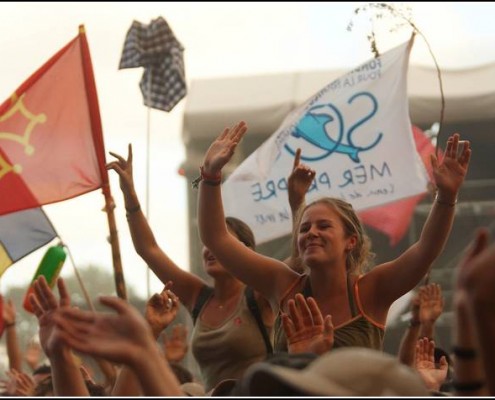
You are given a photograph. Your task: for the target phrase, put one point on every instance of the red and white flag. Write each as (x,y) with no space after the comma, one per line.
(51,144)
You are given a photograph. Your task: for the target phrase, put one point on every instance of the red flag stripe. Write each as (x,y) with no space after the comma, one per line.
(46,134)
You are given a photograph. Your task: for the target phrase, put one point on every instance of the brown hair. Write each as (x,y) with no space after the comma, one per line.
(242,231)
(360,256)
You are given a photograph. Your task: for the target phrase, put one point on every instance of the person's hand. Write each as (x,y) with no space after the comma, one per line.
(33,354)
(415,304)
(467,273)
(124,170)
(476,273)
(23,384)
(9,313)
(10,384)
(45,307)
(123,337)
(305,328)
(450,173)
(299,182)
(432,376)
(222,149)
(19,384)
(161,309)
(175,345)
(431,303)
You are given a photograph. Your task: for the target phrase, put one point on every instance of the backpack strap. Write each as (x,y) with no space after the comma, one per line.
(307,291)
(204,294)
(350,295)
(253,307)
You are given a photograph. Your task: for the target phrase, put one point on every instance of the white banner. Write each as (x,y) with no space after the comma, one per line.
(355,133)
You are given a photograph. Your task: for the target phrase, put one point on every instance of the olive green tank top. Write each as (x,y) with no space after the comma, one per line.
(359,331)
(226,351)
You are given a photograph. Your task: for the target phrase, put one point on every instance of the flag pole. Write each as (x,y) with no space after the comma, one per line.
(148,141)
(79,279)
(97,133)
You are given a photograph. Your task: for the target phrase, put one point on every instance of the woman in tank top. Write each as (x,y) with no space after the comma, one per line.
(333,246)
(227,337)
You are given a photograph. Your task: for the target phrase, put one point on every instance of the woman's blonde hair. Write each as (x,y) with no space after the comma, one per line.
(360,256)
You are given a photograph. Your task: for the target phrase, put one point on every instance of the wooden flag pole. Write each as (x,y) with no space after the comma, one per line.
(114,242)
(97,132)
(148,146)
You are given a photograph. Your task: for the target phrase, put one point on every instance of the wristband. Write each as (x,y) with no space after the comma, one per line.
(445,203)
(212,180)
(413,323)
(464,352)
(211,183)
(9,325)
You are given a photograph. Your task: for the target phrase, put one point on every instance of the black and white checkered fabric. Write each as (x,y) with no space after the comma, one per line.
(155,48)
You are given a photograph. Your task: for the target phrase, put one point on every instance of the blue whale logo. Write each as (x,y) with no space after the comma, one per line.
(314,127)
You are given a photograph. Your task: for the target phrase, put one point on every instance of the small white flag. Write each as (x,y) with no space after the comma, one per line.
(355,133)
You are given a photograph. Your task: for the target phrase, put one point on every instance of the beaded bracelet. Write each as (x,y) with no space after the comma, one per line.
(212,180)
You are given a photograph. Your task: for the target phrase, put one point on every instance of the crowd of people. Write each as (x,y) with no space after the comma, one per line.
(310,325)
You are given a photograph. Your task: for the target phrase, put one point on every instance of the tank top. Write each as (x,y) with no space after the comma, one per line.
(359,331)
(226,351)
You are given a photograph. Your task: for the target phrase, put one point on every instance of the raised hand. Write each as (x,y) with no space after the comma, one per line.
(175,345)
(474,303)
(33,354)
(161,309)
(431,303)
(117,337)
(305,328)
(415,307)
(474,269)
(22,383)
(124,337)
(45,306)
(432,376)
(222,149)
(124,169)
(450,173)
(299,182)
(9,313)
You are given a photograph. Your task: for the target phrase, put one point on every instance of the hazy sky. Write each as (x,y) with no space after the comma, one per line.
(227,39)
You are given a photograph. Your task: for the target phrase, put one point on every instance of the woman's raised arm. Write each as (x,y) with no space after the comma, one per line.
(186,285)
(268,276)
(397,277)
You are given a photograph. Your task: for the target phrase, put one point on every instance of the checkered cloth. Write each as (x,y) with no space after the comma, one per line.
(155,48)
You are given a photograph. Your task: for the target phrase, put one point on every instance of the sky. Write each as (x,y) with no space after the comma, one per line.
(220,40)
